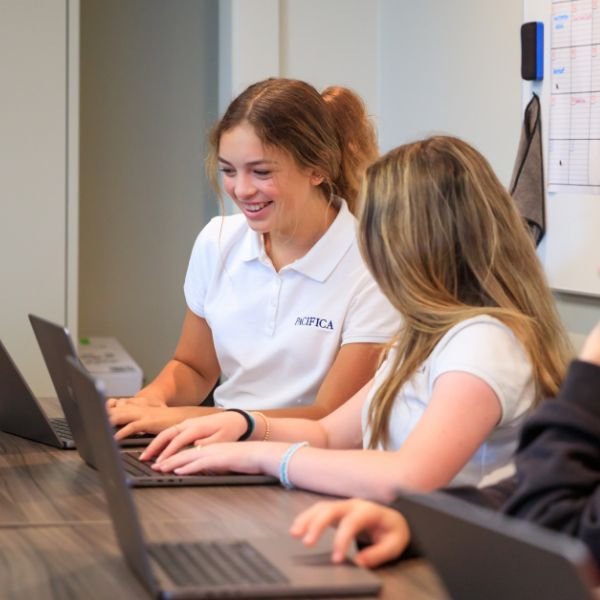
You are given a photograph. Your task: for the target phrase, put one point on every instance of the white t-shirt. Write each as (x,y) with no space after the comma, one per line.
(487,348)
(276,334)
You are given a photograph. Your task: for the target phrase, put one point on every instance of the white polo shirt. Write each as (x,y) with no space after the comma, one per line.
(488,349)
(276,334)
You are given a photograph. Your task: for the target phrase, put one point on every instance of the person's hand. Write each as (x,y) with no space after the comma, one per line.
(237,457)
(220,427)
(591,347)
(133,418)
(386,527)
(133,401)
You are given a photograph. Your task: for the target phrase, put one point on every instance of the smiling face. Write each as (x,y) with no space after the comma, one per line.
(272,192)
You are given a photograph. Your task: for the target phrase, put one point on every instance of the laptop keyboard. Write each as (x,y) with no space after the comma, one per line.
(215,564)
(137,468)
(61,428)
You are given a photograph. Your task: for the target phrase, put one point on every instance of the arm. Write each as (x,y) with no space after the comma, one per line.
(192,372)
(353,367)
(184,382)
(462,411)
(340,429)
(558,460)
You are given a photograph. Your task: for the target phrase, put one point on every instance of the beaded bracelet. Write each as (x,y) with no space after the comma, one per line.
(251,423)
(285,461)
(267,434)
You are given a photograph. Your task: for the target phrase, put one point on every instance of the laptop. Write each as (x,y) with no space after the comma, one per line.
(83,399)
(20,412)
(261,568)
(55,343)
(479,553)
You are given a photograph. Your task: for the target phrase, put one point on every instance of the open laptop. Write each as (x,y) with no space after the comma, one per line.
(482,554)
(20,412)
(83,399)
(55,343)
(263,568)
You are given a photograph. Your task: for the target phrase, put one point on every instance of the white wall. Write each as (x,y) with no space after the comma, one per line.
(331,42)
(452,67)
(148,98)
(423,67)
(38,174)
(324,42)
(420,66)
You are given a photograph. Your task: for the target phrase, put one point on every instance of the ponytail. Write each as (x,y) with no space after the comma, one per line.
(356,137)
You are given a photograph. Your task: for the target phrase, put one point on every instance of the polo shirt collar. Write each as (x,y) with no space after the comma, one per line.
(253,247)
(320,261)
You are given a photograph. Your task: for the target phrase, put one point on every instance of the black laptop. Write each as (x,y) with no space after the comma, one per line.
(224,568)
(55,343)
(20,412)
(83,399)
(480,554)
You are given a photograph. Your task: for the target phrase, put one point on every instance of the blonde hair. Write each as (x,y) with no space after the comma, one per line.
(445,243)
(330,133)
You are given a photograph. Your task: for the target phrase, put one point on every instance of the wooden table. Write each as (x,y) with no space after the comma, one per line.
(56,539)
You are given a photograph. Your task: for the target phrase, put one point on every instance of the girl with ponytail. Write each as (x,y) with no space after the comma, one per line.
(280,305)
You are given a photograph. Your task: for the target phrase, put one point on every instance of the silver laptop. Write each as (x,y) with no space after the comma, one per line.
(261,568)
(479,553)
(20,412)
(83,400)
(55,343)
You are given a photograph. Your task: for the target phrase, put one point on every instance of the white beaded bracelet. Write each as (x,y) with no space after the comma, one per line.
(285,461)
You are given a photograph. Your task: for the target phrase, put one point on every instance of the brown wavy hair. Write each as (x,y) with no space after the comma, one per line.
(330,133)
(445,242)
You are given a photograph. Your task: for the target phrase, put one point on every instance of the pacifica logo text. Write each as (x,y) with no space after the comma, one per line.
(314,322)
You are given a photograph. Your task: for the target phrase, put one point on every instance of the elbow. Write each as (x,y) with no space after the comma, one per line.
(385,489)
(382,492)
(388,495)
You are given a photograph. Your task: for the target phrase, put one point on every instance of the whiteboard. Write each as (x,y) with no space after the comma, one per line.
(570,250)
